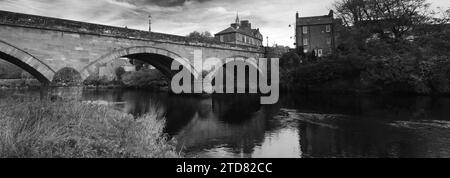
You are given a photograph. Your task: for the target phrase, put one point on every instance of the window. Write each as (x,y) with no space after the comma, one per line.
(305,42)
(328,28)
(329,41)
(221,38)
(319,52)
(305,30)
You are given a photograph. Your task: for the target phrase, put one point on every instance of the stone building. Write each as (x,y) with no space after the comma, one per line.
(317,35)
(241,33)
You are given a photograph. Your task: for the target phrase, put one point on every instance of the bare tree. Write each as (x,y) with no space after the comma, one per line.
(398,16)
(441,16)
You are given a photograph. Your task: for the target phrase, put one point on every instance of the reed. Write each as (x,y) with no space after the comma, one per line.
(31,128)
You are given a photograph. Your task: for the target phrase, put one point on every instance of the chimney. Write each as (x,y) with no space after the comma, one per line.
(331,14)
(246,24)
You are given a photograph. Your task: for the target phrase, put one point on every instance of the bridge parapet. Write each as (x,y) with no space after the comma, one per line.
(48,23)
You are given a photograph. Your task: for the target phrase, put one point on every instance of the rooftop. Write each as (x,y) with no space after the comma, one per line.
(244,31)
(316,20)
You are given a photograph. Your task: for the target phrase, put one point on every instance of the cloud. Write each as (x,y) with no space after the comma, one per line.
(163,3)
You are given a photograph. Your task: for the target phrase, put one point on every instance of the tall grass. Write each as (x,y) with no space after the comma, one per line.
(72,129)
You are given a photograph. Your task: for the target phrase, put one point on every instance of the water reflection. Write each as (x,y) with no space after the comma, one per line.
(298,126)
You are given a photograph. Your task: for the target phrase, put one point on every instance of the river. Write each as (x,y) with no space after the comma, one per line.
(299,126)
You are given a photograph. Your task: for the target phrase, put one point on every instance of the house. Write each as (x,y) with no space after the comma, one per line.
(317,35)
(241,33)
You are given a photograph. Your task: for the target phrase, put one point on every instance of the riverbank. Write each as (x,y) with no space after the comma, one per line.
(73,129)
(147,79)
(19,84)
(371,76)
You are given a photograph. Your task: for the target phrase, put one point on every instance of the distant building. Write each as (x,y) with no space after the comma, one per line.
(108,70)
(241,33)
(318,34)
(276,51)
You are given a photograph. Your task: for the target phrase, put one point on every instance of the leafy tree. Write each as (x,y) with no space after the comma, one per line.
(67,76)
(200,35)
(119,72)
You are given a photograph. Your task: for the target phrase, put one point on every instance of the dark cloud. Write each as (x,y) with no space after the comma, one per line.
(162,3)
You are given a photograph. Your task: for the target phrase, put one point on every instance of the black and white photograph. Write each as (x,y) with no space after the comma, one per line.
(207,79)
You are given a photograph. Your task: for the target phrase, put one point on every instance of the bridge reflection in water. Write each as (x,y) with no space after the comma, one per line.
(299,126)
(218,126)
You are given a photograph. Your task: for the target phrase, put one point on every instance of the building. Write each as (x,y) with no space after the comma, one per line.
(317,35)
(108,70)
(241,33)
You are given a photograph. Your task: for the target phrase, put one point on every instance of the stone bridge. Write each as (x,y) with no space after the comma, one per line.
(42,46)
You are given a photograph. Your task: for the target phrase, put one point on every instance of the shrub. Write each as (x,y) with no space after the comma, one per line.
(67,76)
(71,129)
(95,80)
(144,79)
(119,72)
(440,77)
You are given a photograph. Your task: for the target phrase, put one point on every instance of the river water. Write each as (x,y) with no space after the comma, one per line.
(299,126)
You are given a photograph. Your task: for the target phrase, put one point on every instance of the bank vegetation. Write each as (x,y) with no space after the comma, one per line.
(376,56)
(71,129)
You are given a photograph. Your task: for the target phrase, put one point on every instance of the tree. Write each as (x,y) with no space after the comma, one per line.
(119,72)
(369,16)
(67,76)
(200,35)
(441,16)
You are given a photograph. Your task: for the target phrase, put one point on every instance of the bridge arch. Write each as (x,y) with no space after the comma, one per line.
(27,62)
(161,59)
(222,63)
(225,61)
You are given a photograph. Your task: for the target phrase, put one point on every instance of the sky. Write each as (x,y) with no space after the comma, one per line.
(180,17)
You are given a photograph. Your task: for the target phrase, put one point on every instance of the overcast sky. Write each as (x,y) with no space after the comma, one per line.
(181,17)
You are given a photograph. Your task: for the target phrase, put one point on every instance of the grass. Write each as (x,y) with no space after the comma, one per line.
(72,129)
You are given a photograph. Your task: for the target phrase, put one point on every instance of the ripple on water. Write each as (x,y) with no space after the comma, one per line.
(436,124)
(290,118)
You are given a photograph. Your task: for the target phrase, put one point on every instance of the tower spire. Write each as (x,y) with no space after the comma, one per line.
(237,18)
